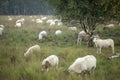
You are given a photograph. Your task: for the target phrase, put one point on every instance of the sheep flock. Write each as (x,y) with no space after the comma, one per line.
(48,43)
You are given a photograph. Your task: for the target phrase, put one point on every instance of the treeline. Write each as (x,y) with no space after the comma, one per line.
(25,7)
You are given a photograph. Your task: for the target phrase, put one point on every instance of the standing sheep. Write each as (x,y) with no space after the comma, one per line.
(100,43)
(83,65)
(50,61)
(42,35)
(35,48)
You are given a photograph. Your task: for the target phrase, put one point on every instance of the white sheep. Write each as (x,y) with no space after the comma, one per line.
(39,21)
(73,29)
(103,43)
(114,56)
(52,23)
(58,32)
(42,35)
(18,24)
(35,48)
(2,26)
(108,26)
(83,65)
(20,21)
(50,61)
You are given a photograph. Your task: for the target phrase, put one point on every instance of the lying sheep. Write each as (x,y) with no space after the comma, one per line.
(83,65)
(35,48)
(114,56)
(103,43)
(50,61)
(108,26)
(42,35)
(58,32)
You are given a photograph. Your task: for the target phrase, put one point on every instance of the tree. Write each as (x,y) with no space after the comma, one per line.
(88,12)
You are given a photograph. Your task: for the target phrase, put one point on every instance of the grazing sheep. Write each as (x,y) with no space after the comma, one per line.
(100,43)
(20,21)
(2,26)
(42,35)
(83,65)
(35,48)
(82,36)
(50,61)
(18,24)
(58,32)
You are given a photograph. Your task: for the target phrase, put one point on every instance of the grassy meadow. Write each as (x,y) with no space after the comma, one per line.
(15,41)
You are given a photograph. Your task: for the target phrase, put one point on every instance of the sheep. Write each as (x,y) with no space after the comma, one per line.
(42,35)
(18,24)
(2,26)
(100,43)
(83,65)
(39,21)
(52,23)
(59,23)
(114,56)
(50,61)
(20,21)
(82,36)
(108,26)
(35,48)
(58,32)
(44,18)
(72,28)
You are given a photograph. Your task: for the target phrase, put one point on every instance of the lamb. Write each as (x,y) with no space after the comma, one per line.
(35,48)
(83,65)
(100,43)
(50,61)
(58,32)
(42,35)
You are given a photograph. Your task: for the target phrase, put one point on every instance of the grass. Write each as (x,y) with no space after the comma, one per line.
(15,41)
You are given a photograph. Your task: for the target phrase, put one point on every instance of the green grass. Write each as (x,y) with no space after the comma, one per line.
(15,41)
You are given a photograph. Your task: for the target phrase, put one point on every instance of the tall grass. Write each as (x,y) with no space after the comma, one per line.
(15,41)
